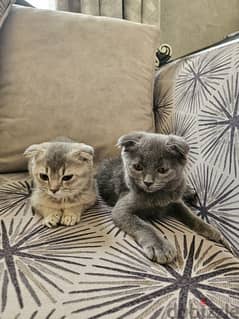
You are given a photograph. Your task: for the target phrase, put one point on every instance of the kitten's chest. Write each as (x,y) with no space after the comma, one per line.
(55,203)
(151,207)
(151,201)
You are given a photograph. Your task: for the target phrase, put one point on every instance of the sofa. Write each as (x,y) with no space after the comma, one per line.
(94,270)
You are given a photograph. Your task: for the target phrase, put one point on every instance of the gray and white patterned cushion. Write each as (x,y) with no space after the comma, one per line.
(93,270)
(200,101)
(5,6)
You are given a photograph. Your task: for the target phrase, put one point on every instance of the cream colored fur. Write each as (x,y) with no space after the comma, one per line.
(61,201)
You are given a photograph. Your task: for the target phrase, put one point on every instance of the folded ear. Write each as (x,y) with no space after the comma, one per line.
(130,141)
(33,150)
(83,156)
(82,152)
(177,146)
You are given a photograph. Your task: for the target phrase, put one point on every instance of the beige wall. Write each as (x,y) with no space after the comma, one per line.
(188,25)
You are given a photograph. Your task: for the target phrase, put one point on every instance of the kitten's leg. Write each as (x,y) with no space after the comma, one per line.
(71,215)
(51,216)
(181,212)
(156,247)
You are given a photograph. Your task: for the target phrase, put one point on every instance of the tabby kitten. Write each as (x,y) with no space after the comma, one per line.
(148,180)
(63,184)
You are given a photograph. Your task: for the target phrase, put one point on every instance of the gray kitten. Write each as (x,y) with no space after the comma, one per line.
(148,180)
(64,187)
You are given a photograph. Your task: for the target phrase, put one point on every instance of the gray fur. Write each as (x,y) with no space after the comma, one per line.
(156,189)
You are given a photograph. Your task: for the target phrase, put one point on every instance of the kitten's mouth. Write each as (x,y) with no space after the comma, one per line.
(149,189)
(56,195)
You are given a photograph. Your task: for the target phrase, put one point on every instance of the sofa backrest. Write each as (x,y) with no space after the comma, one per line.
(63,74)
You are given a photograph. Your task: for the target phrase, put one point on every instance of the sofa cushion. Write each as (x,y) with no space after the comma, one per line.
(94,270)
(199,97)
(89,78)
(5,6)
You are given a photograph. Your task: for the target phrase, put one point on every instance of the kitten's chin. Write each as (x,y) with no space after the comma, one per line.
(62,195)
(151,190)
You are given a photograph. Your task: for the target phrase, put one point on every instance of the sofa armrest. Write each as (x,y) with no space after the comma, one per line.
(197,97)
(163,103)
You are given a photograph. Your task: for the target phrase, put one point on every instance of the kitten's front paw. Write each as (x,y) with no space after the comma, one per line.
(162,251)
(70,219)
(51,220)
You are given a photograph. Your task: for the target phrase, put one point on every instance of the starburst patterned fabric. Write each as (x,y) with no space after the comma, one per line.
(93,270)
(204,99)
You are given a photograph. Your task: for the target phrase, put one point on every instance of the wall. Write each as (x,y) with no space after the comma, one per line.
(188,25)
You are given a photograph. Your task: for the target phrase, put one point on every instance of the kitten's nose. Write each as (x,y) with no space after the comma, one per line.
(54,190)
(148,183)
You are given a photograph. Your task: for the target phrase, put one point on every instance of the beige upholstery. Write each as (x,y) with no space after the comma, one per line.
(89,78)
(5,6)
(191,25)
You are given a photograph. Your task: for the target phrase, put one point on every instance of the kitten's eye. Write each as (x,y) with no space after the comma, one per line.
(67,177)
(162,170)
(138,167)
(44,177)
